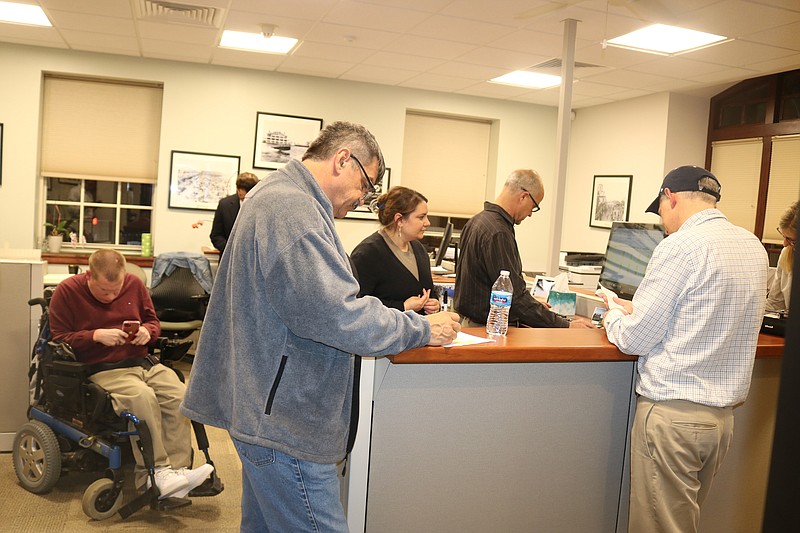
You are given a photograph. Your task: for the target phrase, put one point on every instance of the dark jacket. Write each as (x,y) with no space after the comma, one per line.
(224,218)
(382,275)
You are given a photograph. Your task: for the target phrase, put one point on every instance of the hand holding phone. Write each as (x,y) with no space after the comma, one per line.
(131,327)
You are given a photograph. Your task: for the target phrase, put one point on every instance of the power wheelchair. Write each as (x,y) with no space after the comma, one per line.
(72,425)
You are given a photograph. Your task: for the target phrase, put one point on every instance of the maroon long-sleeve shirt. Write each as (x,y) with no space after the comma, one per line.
(75,315)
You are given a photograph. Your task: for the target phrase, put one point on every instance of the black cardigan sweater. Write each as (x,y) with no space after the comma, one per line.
(382,275)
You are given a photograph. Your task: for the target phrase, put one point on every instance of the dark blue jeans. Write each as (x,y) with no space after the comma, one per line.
(283,494)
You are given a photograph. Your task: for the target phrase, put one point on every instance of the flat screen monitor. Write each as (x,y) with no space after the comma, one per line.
(630,246)
(448,234)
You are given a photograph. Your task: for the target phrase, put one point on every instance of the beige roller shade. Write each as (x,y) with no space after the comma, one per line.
(100,129)
(784,182)
(446,159)
(737,164)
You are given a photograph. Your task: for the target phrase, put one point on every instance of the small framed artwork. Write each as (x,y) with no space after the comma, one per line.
(1,153)
(611,199)
(363,212)
(200,181)
(280,138)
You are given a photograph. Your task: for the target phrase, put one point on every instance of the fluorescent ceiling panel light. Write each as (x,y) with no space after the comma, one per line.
(523,78)
(23,14)
(666,40)
(256,42)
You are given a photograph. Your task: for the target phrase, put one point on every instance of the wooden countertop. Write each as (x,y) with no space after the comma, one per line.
(82,258)
(544,345)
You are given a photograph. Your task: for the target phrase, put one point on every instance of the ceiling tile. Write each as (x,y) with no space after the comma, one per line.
(466,70)
(329,52)
(506,59)
(314,67)
(738,53)
(70,20)
(113,44)
(493,90)
(786,36)
(628,79)
(375,17)
(459,30)
(178,33)
(177,51)
(402,61)
(249,22)
(437,82)
(750,17)
(240,58)
(302,9)
(350,36)
(377,74)
(108,8)
(427,47)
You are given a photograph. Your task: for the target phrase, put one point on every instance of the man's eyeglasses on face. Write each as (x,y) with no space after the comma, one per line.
(535,204)
(792,242)
(370,188)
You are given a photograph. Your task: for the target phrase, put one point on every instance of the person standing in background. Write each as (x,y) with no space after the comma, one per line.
(781,287)
(391,264)
(488,245)
(228,209)
(694,324)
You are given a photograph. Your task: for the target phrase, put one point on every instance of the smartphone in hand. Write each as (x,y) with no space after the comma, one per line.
(131,327)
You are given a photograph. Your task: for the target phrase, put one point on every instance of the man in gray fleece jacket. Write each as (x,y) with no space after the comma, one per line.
(274,363)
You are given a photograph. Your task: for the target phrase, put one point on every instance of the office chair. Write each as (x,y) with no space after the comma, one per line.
(180,303)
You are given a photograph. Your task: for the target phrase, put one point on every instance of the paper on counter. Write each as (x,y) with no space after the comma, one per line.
(465,339)
(610,295)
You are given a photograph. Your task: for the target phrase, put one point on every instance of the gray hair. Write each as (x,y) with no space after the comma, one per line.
(525,179)
(356,137)
(705,183)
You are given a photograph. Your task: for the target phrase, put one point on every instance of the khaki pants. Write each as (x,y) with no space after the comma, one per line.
(677,448)
(154,396)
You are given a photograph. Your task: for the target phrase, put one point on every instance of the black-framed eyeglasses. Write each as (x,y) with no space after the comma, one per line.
(792,242)
(371,188)
(535,203)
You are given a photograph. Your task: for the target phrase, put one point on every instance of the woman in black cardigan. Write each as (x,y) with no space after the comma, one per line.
(391,264)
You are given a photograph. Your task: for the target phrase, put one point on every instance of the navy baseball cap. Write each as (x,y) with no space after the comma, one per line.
(684,179)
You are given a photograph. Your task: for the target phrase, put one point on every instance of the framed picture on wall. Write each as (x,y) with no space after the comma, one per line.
(280,138)
(200,181)
(362,212)
(611,200)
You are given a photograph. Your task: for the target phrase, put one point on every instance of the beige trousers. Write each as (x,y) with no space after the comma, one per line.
(154,396)
(677,448)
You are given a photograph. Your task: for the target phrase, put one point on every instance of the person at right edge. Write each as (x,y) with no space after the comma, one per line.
(781,287)
(488,245)
(694,324)
(275,365)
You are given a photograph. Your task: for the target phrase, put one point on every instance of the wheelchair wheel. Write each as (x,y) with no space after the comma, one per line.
(37,457)
(99,501)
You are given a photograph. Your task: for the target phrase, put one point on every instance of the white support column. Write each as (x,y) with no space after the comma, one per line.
(562,142)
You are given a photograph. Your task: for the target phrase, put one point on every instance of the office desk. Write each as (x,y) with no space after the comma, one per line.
(529,434)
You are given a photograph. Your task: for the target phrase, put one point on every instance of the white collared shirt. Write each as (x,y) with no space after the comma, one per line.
(697,314)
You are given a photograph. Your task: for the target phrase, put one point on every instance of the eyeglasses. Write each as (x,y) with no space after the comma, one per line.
(792,242)
(371,189)
(535,204)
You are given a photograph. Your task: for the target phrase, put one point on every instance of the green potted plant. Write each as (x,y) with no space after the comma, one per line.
(56,234)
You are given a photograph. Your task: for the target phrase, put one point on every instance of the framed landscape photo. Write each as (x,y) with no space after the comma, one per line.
(200,181)
(611,199)
(362,212)
(280,138)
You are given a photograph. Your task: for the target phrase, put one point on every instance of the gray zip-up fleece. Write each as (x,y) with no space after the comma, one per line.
(273,364)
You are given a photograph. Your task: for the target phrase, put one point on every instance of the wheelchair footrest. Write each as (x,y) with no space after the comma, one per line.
(172,503)
(210,487)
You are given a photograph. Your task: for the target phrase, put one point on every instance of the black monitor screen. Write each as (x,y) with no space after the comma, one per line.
(630,246)
(448,234)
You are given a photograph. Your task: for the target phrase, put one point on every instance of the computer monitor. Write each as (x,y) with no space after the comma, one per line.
(630,246)
(448,234)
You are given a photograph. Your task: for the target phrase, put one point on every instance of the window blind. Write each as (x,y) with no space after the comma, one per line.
(446,159)
(737,164)
(100,129)
(784,182)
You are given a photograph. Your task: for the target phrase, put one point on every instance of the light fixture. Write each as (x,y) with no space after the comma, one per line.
(666,40)
(524,78)
(266,41)
(23,14)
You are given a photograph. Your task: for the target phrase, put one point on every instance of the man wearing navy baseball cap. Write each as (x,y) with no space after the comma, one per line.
(694,324)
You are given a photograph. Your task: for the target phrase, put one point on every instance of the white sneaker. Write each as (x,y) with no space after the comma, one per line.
(194,478)
(168,482)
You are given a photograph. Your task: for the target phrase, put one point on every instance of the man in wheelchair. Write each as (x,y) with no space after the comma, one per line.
(107,317)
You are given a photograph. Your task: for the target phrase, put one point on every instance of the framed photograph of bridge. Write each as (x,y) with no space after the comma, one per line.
(200,181)
(611,200)
(280,138)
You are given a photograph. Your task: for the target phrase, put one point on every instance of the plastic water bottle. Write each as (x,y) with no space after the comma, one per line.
(499,305)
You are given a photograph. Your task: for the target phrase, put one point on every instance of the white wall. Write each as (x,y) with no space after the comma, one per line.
(212,109)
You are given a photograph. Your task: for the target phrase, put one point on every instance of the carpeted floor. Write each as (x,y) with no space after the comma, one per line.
(60,510)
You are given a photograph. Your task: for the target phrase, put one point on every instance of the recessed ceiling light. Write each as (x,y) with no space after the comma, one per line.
(523,78)
(666,40)
(23,14)
(256,42)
